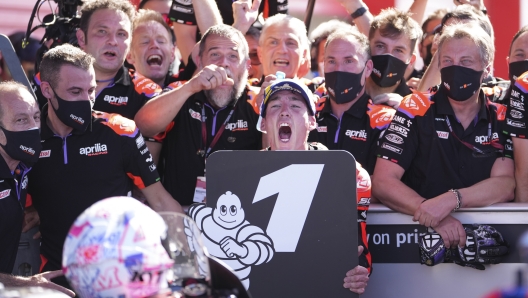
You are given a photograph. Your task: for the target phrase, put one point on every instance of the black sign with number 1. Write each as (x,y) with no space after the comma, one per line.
(285,221)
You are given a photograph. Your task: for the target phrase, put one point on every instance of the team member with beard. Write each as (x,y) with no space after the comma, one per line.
(287,117)
(209,112)
(105,33)
(447,151)
(348,119)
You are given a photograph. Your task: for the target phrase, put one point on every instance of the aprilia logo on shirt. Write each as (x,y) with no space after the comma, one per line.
(96,149)
(5,193)
(116,100)
(237,126)
(484,140)
(360,135)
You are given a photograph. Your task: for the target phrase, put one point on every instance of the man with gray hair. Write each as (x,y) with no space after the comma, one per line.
(446,151)
(209,112)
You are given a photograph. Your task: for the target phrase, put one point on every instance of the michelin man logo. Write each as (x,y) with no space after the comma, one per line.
(231,238)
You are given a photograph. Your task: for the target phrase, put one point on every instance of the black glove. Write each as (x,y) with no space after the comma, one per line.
(484,245)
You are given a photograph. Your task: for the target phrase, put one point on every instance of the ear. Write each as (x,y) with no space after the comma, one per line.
(259,53)
(508,62)
(173,56)
(413,58)
(130,59)
(263,126)
(368,70)
(45,88)
(312,123)
(81,38)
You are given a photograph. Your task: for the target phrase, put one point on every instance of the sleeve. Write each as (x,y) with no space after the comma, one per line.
(138,163)
(500,140)
(515,124)
(363,187)
(399,142)
(182,11)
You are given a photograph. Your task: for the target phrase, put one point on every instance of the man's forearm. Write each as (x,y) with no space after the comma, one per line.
(157,113)
(487,192)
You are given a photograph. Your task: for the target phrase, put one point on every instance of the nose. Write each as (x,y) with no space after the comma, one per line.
(112,39)
(153,44)
(285,111)
(282,47)
(223,62)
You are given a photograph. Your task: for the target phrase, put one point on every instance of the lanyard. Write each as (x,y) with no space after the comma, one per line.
(206,151)
(498,147)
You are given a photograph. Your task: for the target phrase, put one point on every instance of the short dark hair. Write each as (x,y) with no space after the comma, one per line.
(65,54)
(7,87)
(517,35)
(227,32)
(89,7)
(470,13)
(321,33)
(392,23)
(435,15)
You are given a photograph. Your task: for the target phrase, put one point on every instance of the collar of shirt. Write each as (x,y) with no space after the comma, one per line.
(121,78)
(444,107)
(5,172)
(358,109)
(403,89)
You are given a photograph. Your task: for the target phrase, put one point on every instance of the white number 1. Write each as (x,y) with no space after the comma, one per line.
(296,185)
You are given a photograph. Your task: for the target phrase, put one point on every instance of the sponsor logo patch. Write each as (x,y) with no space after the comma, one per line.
(152,167)
(517,104)
(116,100)
(5,193)
(24,182)
(515,123)
(140,141)
(27,150)
(394,138)
(195,114)
(392,148)
(237,126)
(94,150)
(399,129)
(322,129)
(516,114)
(144,151)
(360,135)
(45,153)
(443,134)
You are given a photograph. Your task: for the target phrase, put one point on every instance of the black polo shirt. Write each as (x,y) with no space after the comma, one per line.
(182,11)
(12,203)
(434,159)
(181,164)
(357,131)
(76,171)
(128,92)
(516,117)
(403,89)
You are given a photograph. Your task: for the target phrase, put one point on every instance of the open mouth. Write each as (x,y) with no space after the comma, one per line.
(281,62)
(285,132)
(110,54)
(154,60)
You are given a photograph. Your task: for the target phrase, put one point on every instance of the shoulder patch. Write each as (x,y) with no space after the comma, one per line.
(415,104)
(380,115)
(144,85)
(500,110)
(119,124)
(522,82)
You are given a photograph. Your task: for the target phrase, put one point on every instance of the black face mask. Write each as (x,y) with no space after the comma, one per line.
(460,83)
(23,146)
(343,86)
(428,56)
(75,114)
(516,69)
(388,70)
